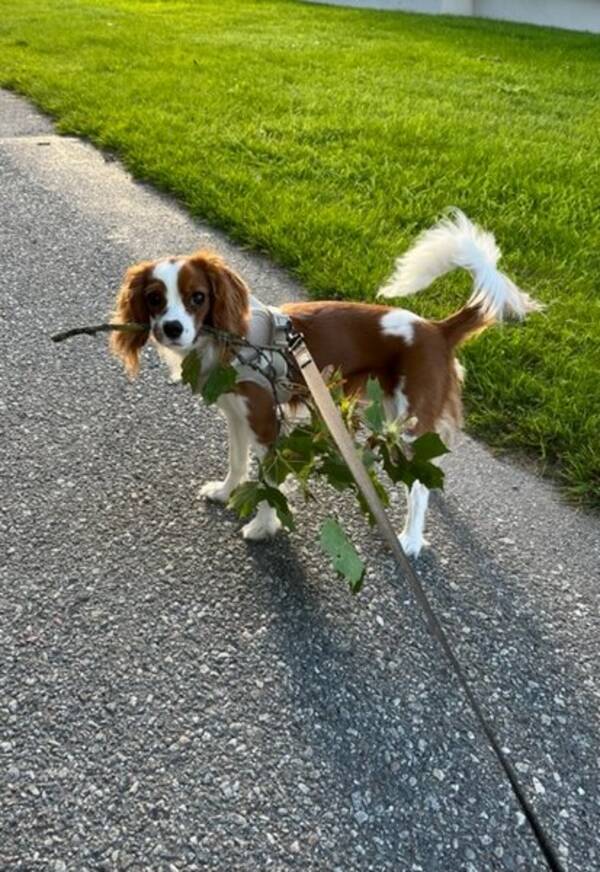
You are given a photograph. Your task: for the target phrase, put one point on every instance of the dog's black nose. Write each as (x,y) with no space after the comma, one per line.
(173,329)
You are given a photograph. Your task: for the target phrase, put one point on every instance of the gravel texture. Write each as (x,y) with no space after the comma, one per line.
(173,698)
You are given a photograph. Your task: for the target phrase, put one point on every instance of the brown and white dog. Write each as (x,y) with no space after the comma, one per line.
(412,358)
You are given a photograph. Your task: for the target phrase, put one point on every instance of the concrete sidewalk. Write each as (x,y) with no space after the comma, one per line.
(173,698)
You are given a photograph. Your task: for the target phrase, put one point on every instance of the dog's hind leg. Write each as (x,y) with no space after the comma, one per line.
(261,424)
(411,538)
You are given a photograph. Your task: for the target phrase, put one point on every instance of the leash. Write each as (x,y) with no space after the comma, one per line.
(342,438)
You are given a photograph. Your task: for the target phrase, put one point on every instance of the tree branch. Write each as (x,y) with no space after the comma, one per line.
(99,328)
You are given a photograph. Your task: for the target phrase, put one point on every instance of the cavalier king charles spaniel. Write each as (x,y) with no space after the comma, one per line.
(413,358)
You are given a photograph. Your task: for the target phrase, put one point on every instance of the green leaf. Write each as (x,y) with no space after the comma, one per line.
(400,468)
(344,556)
(336,471)
(428,446)
(374,414)
(374,390)
(190,371)
(397,467)
(246,498)
(275,466)
(300,440)
(221,380)
(428,474)
(293,454)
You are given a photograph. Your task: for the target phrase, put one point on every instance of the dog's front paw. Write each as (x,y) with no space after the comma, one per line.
(263,526)
(217,491)
(412,545)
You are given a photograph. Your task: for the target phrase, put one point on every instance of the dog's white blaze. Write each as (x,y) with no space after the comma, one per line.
(400,322)
(167,271)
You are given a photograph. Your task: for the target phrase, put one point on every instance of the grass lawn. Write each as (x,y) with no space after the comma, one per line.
(328,137)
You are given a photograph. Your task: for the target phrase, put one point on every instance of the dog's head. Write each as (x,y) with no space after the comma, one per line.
(176,297)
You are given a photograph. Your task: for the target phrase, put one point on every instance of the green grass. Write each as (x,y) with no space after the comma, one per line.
(328,137)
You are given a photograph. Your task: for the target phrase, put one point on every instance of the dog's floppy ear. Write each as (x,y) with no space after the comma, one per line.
(230,296)
(131,307)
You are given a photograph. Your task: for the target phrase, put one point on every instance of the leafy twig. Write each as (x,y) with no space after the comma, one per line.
(99,328)
(309,450)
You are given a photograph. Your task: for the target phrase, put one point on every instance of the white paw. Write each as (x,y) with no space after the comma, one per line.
(412,545)
(261,527)
(218,491)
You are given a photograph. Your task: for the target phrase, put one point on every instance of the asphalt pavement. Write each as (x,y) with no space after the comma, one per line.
(174,698)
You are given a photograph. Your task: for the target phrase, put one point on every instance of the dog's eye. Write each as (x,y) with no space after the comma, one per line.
(198,298)
(154,298)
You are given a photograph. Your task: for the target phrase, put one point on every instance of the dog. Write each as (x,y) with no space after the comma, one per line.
(413,358)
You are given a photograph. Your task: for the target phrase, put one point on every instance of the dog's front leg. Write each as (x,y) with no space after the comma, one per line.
(263,430)
(265,523)
(233,407)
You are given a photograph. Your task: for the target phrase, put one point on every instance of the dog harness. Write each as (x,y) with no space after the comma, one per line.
(268,368)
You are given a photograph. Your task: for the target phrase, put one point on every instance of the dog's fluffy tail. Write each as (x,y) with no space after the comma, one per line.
(456,242)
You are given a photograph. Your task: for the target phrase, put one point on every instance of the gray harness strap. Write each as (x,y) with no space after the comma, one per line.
(268,369)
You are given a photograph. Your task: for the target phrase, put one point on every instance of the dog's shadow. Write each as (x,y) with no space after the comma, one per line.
(330,688)
(371,707)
